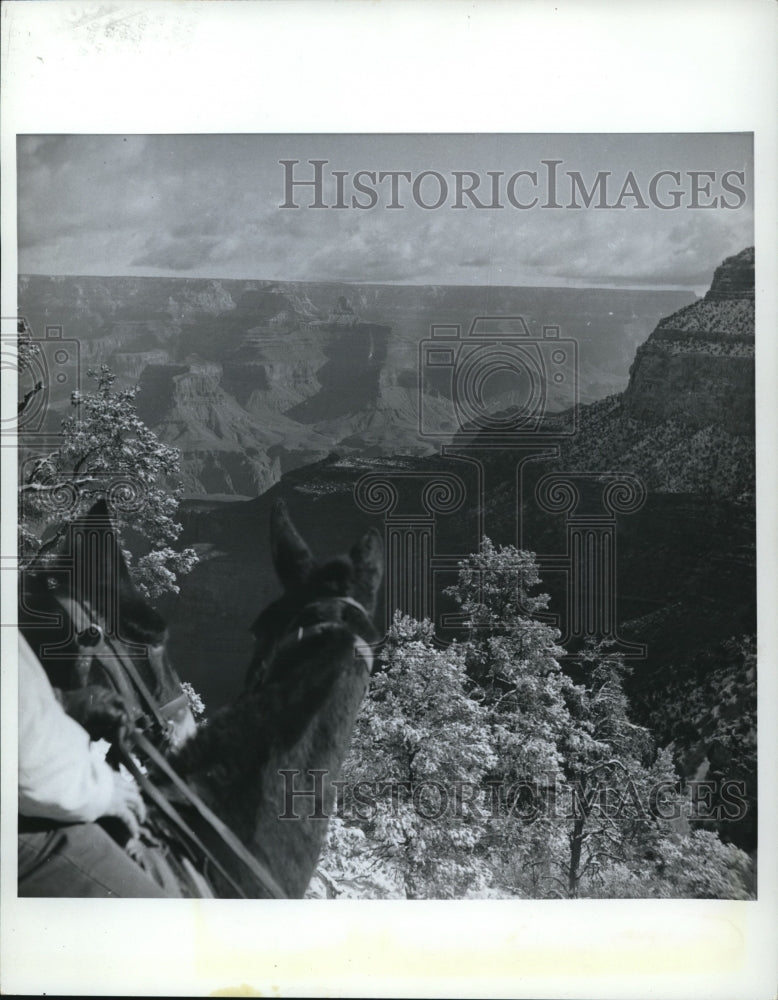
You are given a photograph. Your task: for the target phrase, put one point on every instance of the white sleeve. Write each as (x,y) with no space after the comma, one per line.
(62,775)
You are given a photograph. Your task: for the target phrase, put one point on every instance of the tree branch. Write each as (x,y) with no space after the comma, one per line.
(55,539)
(22,406)
(49,487)
(554,878)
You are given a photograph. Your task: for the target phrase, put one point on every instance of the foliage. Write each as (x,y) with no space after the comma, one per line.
(419,740)
(711,713)
(26,347)
(107,451)
(194,701)
(716,702)
(700,866)
(352,869)
(561,794)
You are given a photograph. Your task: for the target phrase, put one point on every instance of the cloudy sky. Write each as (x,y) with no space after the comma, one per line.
(209,206)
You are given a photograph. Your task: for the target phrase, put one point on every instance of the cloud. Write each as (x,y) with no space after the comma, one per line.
(209,206)
(677,248)
(176,254)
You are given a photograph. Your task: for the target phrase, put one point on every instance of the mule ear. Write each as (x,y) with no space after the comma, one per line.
(292,558)
(368,559)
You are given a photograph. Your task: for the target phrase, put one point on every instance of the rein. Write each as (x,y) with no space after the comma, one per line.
(241,868)
(247,868)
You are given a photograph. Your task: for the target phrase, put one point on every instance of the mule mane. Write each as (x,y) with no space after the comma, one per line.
(142,623)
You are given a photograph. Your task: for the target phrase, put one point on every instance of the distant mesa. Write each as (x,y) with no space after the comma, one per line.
(343,315)
(295,369)
(272,307)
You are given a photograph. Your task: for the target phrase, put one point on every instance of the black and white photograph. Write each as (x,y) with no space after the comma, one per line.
(386,526)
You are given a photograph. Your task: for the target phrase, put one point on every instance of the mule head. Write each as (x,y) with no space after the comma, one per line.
(91,570)
(82,608)
(358,576)
(313,591)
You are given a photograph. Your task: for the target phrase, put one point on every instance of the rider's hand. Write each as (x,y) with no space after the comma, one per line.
(98,710)
(126,804)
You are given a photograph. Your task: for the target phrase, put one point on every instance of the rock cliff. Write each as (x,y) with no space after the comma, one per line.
(698,365)
(685,423)
(225,448)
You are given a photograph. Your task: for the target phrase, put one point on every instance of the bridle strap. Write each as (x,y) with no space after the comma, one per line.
(365,652)
(355,604)
(143,691)
(170,708)
(171,814)
(300,634)
(297,635)
(110,654)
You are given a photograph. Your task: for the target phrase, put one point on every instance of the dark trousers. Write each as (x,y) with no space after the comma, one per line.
(79,859)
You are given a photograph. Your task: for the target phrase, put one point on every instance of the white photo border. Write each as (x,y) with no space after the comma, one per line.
(160,66)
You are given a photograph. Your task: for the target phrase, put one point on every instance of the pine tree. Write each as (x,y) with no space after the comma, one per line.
(108,452)
(590,805)
(565,795)
(412,778)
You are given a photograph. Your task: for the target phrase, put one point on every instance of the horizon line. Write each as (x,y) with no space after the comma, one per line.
(611,285)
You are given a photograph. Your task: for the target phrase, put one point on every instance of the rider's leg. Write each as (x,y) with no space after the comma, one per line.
(79,860)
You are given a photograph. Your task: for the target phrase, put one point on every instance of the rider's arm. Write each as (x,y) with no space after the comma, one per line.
(62,775)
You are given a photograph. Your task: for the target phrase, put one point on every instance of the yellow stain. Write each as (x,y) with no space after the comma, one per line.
(244,990)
